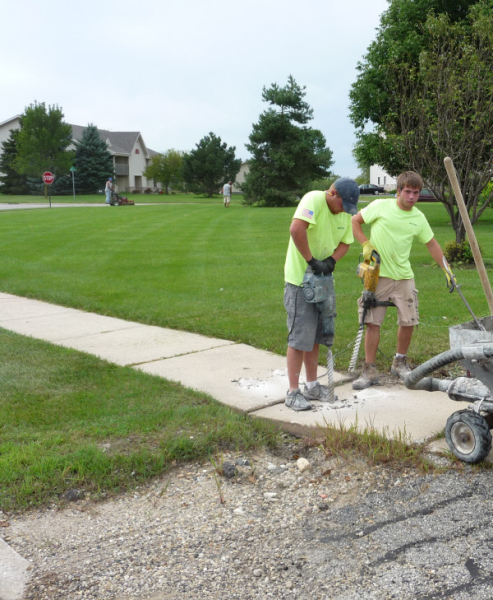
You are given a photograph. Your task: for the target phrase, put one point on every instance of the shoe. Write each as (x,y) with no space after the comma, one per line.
(319,392)
(297,401)
(400,367)
(368,377)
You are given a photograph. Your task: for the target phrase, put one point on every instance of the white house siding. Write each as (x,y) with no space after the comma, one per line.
(379,177)
(137,162)
(240,178)
(5,128)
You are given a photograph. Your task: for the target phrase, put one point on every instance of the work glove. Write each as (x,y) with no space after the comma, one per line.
(319,267)
(450,277)
(330,263)
(367,250)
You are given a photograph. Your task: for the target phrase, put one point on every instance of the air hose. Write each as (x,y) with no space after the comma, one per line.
(417,380)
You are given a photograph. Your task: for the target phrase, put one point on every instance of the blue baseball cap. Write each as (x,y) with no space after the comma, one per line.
(348,190)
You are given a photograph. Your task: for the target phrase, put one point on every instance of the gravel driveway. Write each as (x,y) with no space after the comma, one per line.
(340,530)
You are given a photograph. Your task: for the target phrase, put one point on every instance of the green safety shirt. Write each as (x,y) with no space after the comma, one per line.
(325,232)
(392,233)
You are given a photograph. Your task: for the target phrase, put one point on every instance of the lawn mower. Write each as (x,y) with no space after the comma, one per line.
(117,200)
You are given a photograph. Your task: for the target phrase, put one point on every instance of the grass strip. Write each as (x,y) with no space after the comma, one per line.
(69,420)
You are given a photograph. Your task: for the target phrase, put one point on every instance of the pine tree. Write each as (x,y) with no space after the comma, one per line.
(11,181)
(210,165)
(93,162)
(287,154)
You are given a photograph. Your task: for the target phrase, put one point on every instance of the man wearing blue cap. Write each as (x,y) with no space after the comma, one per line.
(109,189)
(320,236)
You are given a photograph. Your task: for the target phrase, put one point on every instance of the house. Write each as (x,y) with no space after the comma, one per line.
(240,178)
(130,154)
(379,177)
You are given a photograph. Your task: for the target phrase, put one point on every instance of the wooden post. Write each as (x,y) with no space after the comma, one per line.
(449,165)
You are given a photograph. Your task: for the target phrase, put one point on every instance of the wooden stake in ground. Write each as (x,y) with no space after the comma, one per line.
(449,165)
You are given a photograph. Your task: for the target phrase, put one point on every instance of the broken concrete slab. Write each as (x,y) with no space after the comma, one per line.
(394,410)
(240,376)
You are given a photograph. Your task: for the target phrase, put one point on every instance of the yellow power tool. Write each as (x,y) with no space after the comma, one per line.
(369,272)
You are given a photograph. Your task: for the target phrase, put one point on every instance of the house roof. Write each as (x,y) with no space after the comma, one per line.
(120,142)
(10,120)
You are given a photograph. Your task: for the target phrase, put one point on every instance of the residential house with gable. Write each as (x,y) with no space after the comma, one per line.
(128,149)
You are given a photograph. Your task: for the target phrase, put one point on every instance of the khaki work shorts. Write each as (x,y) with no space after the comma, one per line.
(402,293)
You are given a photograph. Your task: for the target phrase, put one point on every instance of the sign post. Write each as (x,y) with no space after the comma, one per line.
(73,170)
(48,178)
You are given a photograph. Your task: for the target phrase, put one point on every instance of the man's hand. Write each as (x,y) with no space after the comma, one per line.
(330,263)
(367,250)
(319,267)
(450,277)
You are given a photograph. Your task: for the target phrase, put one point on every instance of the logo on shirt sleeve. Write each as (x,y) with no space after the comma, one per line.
(307,213)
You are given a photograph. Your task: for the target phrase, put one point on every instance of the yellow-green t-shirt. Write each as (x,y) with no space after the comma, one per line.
(325,232)
(392,233)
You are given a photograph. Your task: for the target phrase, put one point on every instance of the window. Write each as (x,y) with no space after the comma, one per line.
(378,180)
(137,151)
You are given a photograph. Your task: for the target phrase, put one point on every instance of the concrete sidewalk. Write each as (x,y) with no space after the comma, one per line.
(250,380)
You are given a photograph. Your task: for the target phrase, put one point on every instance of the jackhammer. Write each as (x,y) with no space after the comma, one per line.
(369,272)
(319,290)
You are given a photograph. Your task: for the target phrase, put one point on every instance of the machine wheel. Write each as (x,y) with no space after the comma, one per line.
(468,436)
(375,193)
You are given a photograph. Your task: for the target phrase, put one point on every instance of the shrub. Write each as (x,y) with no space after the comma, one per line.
(459,253)
(485,194)
(160,192)
(148,191)
(137,191)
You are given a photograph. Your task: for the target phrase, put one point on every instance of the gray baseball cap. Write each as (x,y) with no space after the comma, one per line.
(348,190)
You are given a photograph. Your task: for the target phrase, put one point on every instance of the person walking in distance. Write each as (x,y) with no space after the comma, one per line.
(320,236)
(227,193)
(395,222)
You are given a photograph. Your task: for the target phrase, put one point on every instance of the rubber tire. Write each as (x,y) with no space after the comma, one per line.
(478,429)
(376,193)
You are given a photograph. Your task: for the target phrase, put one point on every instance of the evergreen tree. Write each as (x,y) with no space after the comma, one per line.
(11,181)
(93,162)
(210,165)
(287,154)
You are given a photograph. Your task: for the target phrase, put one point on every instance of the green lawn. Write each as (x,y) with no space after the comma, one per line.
(100,198)
(69,420)
(210,270)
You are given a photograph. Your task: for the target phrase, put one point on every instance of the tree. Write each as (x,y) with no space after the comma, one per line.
(166,168)
(436,103)
(93,161)
(287,155)
(212,163)
(42,142)
(11,181)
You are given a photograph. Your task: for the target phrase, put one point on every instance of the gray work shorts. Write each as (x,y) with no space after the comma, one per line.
(304,323)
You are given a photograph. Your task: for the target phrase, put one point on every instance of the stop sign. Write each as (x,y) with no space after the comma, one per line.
(48,178)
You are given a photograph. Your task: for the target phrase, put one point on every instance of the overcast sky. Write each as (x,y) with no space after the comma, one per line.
(176,70)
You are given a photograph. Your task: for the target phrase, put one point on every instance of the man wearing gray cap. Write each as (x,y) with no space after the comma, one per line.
(320,236)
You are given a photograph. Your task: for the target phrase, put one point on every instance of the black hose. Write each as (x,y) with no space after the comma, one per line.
(430,384)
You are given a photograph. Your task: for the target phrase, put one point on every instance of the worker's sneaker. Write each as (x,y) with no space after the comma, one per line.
(318,392)
(368,377)
(400,367)
(297,401)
